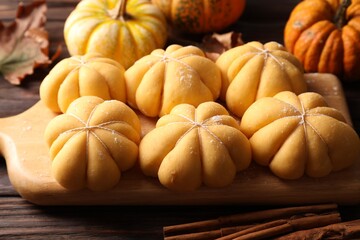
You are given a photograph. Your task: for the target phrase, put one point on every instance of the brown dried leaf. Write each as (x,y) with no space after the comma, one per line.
(24,43)
(215,44)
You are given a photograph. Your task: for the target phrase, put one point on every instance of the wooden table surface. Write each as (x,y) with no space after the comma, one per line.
(263,20)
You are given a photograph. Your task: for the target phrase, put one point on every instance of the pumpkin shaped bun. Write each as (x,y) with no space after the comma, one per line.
(252,71)
(88,75)
(194,146)
(297,135)
(92,143)
(165,78)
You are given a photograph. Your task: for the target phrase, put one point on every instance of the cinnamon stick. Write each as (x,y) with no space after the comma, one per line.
(245,218)
(337,231)
(266,233)
(212,234)
(314,221)
(284,226)
(273,225)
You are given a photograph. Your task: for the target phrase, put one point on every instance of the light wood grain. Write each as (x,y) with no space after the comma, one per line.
(28,164)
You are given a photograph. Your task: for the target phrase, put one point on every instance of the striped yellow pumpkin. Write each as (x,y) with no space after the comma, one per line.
(118,29)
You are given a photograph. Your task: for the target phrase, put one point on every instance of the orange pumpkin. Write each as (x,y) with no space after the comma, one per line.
(201,16)
(325,36)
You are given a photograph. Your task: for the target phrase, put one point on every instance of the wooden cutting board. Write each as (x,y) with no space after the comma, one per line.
(28,165)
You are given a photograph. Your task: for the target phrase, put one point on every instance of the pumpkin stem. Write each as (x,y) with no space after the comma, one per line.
(340,16)
(120,10)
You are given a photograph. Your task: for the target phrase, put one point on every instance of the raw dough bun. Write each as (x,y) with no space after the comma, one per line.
(252,71)
(297,135)
(165,78)
(88,75)
(194,146)
(92,143)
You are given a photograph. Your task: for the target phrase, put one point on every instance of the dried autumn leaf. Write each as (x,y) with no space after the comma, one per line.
(24,43)
(215,44)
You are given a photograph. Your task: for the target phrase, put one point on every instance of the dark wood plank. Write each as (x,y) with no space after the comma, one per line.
(6,188)
(92,222)
(20,219)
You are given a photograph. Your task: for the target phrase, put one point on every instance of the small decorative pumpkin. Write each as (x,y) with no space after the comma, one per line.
(165,78)
(88,75)
(124,30)
(92,143)
(201,16)
(253,71)
(325,36)
(194,146)
(297,135)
